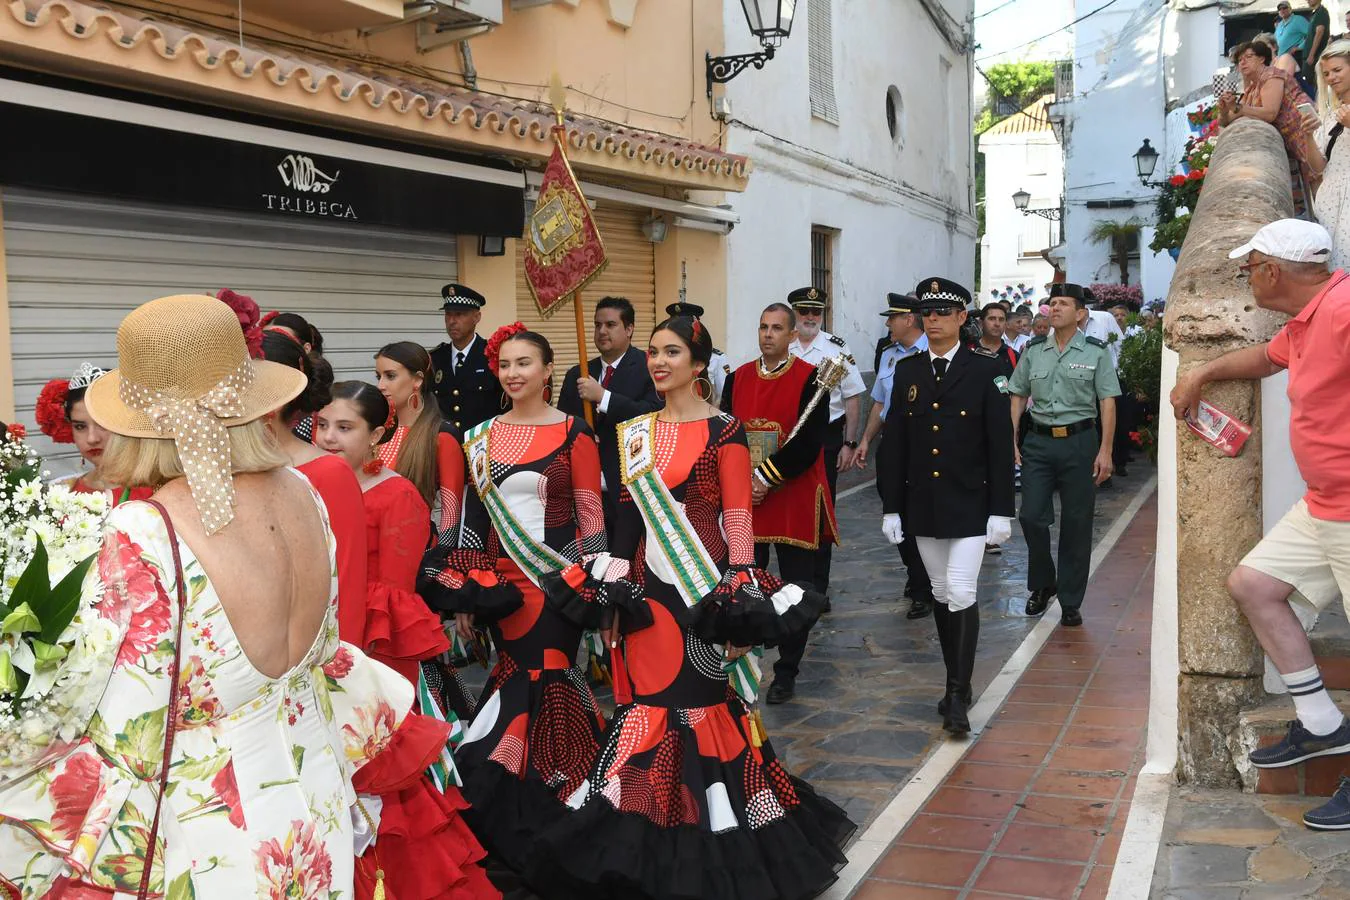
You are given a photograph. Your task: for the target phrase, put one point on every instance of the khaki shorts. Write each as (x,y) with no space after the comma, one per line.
(1311,554)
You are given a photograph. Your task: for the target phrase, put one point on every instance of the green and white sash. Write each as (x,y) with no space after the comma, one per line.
(535,558)
(671,534)
(442,770)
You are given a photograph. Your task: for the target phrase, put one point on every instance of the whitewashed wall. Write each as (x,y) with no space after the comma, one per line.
(1119,100)
(902,207)
(1008,168)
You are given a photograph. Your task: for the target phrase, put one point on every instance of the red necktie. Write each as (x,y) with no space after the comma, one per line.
(604,379)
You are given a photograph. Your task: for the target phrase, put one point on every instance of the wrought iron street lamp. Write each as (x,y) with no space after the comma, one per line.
(1022,200)
(1145,161)
(771,22)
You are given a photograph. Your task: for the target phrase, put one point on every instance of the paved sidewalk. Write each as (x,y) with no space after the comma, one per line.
(864,718)
(1037,807)
(1223,845)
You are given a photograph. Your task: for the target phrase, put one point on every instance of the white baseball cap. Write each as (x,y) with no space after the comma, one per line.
(1295,240)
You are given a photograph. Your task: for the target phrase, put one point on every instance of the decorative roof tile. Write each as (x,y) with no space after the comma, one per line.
(591,142)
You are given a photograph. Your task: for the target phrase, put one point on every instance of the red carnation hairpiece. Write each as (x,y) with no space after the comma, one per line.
(267,319)
(499,337)
(50,411)
(249,319)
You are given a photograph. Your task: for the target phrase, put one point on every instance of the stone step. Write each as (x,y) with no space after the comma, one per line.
(1331,647)
(1264,725)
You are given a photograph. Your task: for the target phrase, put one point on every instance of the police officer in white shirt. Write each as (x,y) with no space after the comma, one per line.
(815,345)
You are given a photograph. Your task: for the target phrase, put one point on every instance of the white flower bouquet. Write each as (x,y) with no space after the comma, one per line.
(54,644)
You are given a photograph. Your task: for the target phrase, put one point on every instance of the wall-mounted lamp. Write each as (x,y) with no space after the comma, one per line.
(771,22)
(491,245)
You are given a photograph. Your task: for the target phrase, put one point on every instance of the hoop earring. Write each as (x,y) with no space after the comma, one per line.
(416,401)
(548,390)
(696,387)
(506,401)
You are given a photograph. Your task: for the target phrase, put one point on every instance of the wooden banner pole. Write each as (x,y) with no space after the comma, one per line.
(585,371)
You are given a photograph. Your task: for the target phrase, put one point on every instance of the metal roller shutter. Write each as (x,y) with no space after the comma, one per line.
(631,273)
(77,267)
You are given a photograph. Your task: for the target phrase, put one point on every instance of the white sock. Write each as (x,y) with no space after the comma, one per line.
(1312,703)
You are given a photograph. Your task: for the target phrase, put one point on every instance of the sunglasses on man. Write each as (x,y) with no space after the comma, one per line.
(944,312)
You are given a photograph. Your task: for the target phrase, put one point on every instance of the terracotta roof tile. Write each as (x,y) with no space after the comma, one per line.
(1032,119)
(529,122)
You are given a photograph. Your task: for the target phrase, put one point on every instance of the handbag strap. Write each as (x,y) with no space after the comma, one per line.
(171,715)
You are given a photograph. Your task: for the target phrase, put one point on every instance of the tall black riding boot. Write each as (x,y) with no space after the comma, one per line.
(943,615)
(942,619)
(964,630)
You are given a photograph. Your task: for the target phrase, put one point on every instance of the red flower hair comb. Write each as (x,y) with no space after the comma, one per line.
(249,318)
(499,337)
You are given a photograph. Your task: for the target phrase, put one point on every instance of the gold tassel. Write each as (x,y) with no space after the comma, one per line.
(756,729)
(379,885)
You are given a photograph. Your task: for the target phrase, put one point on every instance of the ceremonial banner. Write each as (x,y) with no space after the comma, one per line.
(563,250)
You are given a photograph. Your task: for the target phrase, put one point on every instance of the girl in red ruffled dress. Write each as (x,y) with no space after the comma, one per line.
(423,849)
(533,531)
(686,798)
(61,416)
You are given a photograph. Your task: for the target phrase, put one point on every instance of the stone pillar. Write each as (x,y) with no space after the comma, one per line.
(1210,311)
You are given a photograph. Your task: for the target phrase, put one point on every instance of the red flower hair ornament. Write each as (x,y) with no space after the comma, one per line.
(499,337)
(249,316)
(50,411)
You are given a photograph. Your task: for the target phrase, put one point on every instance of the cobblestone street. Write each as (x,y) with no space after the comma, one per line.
(865,712)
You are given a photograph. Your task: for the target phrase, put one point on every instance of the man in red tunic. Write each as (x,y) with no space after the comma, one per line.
(793,511)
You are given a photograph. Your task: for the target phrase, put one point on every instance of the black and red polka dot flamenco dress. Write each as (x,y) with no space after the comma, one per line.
(537,726)
(685,801)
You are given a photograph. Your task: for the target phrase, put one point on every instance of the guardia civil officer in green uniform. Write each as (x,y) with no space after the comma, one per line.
(1064,374)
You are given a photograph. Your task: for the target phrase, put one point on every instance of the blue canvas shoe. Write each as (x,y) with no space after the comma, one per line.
(1300,744)
(1335,814)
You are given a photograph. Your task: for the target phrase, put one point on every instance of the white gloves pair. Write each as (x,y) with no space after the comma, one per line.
(997,530)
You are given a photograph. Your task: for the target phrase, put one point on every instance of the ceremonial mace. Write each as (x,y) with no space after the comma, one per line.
(829,375)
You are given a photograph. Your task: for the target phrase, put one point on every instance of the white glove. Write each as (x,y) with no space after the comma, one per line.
(997,530)
(891,528)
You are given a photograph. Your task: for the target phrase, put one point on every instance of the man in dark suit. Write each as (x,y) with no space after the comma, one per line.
(465,388)
(618,386)
(948,451)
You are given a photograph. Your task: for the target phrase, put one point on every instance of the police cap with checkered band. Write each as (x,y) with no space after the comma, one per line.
(941,293)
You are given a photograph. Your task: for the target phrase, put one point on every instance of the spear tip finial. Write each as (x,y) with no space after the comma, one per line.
(557,95)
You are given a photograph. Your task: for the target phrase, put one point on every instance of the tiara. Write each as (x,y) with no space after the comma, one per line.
(86,375)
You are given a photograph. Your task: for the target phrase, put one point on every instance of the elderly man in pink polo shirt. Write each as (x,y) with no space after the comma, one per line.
(1309,549)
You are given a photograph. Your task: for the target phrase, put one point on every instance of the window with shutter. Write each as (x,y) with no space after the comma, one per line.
(820,62)
(822,266)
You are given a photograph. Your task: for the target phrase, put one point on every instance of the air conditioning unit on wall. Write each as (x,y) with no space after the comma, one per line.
(448,21)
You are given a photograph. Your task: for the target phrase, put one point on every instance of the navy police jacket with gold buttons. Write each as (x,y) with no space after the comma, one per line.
(470,395)
(946,460)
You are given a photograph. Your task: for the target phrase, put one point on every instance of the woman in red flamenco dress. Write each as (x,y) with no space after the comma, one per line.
(423,847)
(532,531)
(61,416)
(687,800)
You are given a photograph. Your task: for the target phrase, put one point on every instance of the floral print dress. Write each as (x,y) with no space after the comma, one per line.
(259,793)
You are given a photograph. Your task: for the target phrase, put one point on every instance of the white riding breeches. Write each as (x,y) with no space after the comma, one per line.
(953,566)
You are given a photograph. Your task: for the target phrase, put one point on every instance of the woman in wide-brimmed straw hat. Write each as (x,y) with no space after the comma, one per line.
(267,715)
